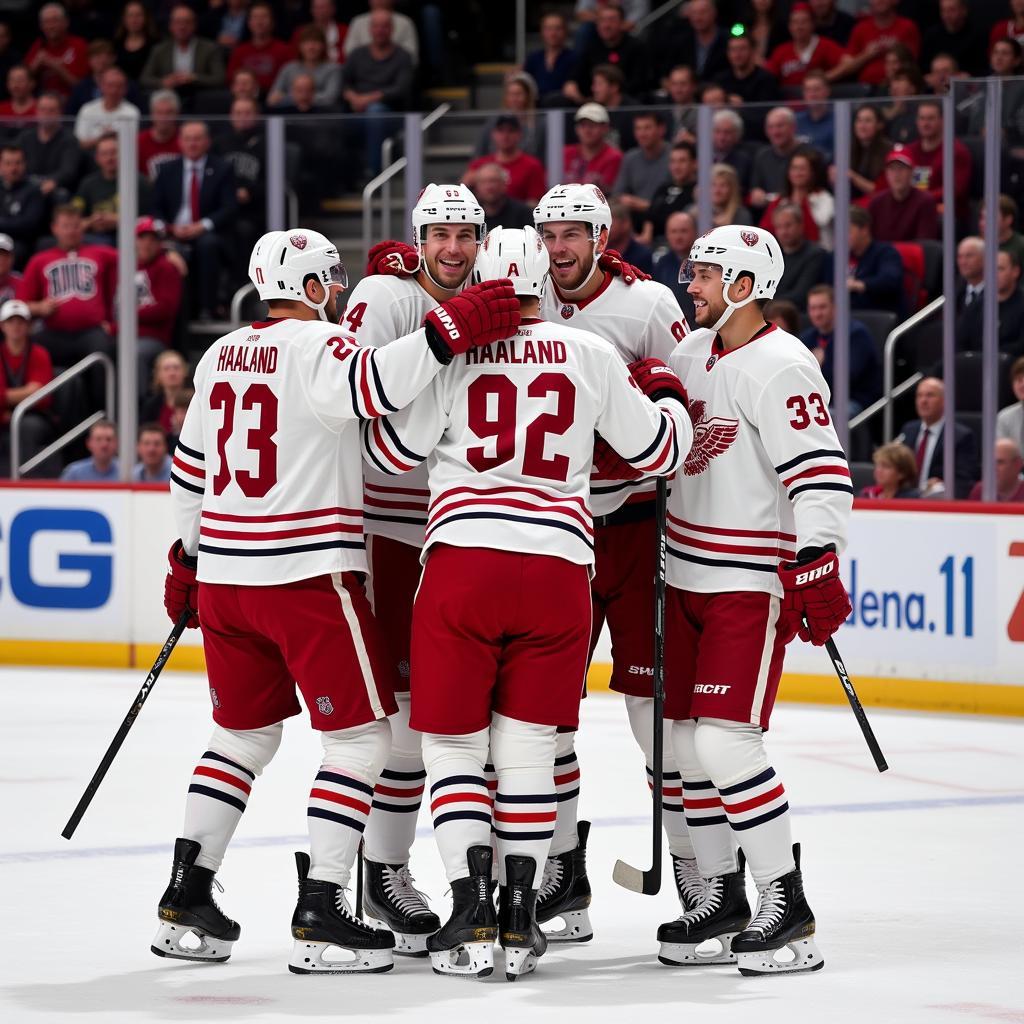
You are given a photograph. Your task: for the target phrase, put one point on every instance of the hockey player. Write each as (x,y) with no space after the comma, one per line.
(448,227)
(501,625)
(280,561)
(756,520)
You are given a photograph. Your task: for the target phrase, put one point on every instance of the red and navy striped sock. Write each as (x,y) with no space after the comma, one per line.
(524,816)
(673,818)
(758,813)
(217,797)
(396,802)
(339,804)
(709,828)
(460,805)
(567,796)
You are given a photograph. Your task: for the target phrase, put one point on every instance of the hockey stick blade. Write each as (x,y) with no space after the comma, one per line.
(646,882)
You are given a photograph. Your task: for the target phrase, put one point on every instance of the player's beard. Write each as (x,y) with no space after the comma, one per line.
(583,269)
(442,276)
(707,316)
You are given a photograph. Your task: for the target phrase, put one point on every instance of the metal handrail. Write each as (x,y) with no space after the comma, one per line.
(44,392)
(241,293)
(879,404)
(888,359)
(652,16)
(388,173)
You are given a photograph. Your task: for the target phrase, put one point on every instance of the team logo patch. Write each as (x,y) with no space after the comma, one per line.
(403,669)
(712,436)
(712,359)
(214,697)
(324,705)
(750,237)
(299,241)
(567,311)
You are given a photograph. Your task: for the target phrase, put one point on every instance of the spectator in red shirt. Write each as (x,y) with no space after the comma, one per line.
(526,178)
(57,58)
(263,54)
(592,160)
(9,278)
(872,36)
(325,17)
(22,104)
(24,369)
(1009,28)
(158,286)
(789,62)
(926,153)
(159,142)
(1009,485)
(902,213)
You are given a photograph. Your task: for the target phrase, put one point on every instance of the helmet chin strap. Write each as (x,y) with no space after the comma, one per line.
(730,306)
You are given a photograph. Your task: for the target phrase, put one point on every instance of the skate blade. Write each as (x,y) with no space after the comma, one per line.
(406,943)
(699,954)
(470,960)
(170,939)
(519,961)
(805,957)
(576,927)
(328,958)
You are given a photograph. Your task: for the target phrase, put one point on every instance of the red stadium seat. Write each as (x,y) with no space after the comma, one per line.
(912,258)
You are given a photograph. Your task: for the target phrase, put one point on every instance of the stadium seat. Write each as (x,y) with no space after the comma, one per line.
(862,474)
(932,250)
(969,380)
(912,258)
(879,323)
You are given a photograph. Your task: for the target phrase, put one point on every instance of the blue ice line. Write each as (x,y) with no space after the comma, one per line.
(937,803)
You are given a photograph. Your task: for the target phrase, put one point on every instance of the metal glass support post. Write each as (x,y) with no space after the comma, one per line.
(948,275)
(277,186)
(413,162)
(705,161)
(554,145)
(989,298)
(841,256)
(520,32)
(127,297)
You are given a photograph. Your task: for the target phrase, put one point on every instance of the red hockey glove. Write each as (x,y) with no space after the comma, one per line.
(815,603)
(476,316)
(609,465)
(611,261)
(392,257)
(181,590)
(658,380)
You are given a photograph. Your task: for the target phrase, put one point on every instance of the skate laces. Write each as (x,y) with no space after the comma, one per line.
(398,884)
(342,904)
(770,905)
(710,901)
(551,879)
(689,880)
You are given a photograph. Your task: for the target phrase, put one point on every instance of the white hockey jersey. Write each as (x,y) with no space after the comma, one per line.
(642,321)
(267,476)
(766,475)
(381,309)
(507,432)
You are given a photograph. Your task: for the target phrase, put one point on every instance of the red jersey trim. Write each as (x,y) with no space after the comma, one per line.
(719,350)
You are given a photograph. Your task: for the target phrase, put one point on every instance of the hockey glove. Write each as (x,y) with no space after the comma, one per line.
(181,590)
(392,257)
(477,316)
(612,262)
(658,380)
(815,603)
(609,465)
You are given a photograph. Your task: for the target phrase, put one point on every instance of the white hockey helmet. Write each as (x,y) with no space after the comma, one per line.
(282,262)
(445,204)
(575,202)
(738,250)
(516,253)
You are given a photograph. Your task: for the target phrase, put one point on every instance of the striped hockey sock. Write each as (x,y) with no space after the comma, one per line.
(567,797)
(461,808)
(758,812)
(396,802)
(339,804)
(673,818)
(709,828)
(524,816)
(217,797)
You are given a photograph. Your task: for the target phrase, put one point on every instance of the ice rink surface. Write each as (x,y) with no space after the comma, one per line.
(912,876)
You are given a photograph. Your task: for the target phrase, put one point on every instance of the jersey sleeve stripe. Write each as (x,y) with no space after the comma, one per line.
(399,445)
(314,513)
(356,407)
(818,471)
(717,563)
(733,549)
(653,446)
(362,360)
(186,468)
(846,488)
(379,387)
(187,486)
(729,532)
(191,452)
(384,448)
(306,531)
(819,453)
(294,549)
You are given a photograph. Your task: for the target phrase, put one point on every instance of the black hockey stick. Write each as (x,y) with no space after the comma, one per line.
(129,720)
(649,882)
(858,708)
(359,882)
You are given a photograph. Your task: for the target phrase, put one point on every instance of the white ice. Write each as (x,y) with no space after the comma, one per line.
(913,875)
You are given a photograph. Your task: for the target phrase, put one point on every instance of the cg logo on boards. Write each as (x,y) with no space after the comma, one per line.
(49,567)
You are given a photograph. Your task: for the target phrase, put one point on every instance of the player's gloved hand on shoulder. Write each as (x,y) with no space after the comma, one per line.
(181,590)
(476,316)
(658,380)
(391,257)
(609,465)
(611,261)
(815,603)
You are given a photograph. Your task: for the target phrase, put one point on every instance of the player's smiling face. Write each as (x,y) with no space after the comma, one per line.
(449,251)
(705,289)
(571,249)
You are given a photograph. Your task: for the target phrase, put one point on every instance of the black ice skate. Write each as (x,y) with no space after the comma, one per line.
(390,900)
(704,935)
(689,882)
(323,924)
(520,935)
(565,892)
(464,947)
(189,914)
(783,921)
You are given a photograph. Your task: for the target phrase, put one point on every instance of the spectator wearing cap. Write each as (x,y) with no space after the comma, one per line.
(900,212)
(526,177)
(644,168)
(101,467)
(262,53)
(591,159)
(926,154)
(22,208)
(185,62)
(20,106)
(57,59)
(158,285)
(744,81)
(24,368)
(324,16)
(98,117)
(403,30)
(9,277)
(555,62)
(805,51)
(490,186)
(875,276)
(52,154)
(154,461)
(98,196)
(611,44)
(159,142)
(877,32)
(673,195)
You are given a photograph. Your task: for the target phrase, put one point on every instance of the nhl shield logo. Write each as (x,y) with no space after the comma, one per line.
(750,237)
(299,241)
(712,359)
(324,705)
(567,311)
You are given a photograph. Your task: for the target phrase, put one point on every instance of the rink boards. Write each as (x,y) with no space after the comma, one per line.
(937,589)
